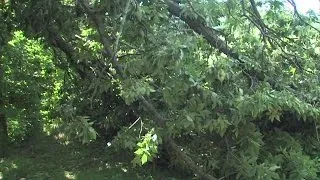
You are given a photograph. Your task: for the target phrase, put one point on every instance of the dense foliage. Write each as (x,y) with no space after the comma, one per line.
(221,89)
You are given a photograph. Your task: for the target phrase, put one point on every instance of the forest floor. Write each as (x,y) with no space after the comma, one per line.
(47,158)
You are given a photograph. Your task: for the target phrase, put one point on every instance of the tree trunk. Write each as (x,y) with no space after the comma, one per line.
(3,135)
(4,138)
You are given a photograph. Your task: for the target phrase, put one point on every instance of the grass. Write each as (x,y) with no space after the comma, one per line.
(48,158)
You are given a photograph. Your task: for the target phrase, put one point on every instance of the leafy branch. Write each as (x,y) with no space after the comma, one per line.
(158,118)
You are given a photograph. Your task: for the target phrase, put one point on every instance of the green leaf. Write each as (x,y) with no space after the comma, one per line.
(139,152)
(274,167)
(274,114)
(221,75)
(144,159)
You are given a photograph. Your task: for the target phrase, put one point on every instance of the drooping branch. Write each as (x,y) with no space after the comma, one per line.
(56,40)
(271,36)
(200,27)
(159,120)
(299,15)
(107,52)
(110,54)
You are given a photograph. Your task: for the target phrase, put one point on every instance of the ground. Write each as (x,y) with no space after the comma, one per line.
(48,158)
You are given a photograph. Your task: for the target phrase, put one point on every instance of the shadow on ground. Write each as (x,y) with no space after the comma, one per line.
(47,158)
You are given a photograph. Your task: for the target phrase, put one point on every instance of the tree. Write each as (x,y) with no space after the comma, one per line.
(233,82)
(3,120)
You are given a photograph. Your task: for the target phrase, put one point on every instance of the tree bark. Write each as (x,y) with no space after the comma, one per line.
(3,120)
(3,135)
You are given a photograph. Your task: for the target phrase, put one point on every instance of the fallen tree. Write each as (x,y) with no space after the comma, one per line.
(220,98)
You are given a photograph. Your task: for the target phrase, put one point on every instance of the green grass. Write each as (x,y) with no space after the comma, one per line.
(47,158)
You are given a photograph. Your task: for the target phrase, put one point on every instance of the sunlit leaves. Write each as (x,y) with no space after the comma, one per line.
(233,105)
(147,148)
(29,74)
(86,36)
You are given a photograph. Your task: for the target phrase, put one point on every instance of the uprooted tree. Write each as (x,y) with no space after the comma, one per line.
(229,89)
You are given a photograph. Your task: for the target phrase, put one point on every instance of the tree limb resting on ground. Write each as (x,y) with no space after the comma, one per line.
(159,120)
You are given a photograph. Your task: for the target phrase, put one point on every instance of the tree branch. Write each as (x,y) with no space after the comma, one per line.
(57,41)
(201,28)
(159,120)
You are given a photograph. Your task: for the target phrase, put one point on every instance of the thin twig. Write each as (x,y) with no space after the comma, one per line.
(141,126)
(134,123)
(299,16)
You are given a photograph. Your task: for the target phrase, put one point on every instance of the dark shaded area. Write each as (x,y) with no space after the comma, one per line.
(50,158)
(3,135)
(3,120)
